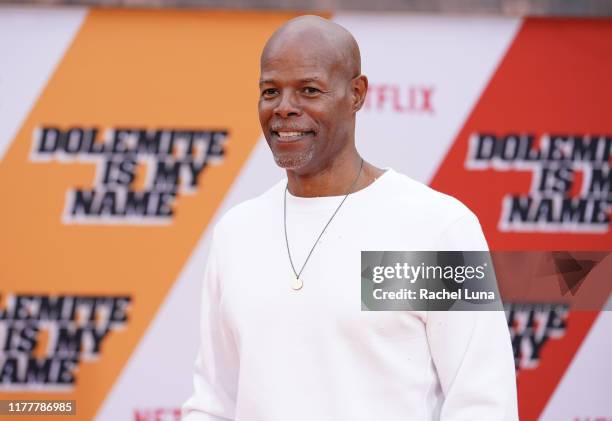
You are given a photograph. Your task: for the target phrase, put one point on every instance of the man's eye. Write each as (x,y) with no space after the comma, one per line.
(309,90)
(269,92)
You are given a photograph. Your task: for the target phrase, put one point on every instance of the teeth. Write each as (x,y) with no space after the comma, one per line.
(290,134)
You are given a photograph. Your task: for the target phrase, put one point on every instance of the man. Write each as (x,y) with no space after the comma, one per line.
(283,337)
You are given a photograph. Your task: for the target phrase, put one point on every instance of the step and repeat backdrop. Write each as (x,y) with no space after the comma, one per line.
(124,135)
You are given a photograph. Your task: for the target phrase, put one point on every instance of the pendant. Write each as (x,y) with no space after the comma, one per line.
(297,284)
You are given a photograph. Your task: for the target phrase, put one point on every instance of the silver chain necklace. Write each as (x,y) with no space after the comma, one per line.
(297,283)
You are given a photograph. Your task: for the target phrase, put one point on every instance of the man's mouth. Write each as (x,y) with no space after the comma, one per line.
(291,136)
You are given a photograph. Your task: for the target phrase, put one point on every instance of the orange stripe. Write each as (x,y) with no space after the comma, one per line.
(128,68)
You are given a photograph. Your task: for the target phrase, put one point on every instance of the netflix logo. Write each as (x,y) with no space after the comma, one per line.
(157,414)
(400,99)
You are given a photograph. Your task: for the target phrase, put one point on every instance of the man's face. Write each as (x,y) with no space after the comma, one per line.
(306,108)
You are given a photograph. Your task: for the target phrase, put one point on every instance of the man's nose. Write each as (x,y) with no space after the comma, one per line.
(287,106)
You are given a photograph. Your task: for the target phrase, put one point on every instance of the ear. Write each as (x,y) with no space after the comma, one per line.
(359,89)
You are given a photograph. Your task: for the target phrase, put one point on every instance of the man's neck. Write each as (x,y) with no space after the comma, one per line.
(335,180)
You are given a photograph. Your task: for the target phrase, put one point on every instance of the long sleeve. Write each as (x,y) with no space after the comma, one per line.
(216,367)
(471,350)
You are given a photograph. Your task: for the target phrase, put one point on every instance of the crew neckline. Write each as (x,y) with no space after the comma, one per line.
(298,203)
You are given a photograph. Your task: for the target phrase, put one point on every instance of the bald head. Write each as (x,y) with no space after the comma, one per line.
(311,87)
(322,38)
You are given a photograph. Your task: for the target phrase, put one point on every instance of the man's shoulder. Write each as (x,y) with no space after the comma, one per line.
(410,194)
(252,210)
(438,215)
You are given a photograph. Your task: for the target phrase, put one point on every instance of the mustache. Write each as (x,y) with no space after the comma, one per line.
(289,128)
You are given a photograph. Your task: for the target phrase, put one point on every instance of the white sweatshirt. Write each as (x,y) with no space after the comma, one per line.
(269,353)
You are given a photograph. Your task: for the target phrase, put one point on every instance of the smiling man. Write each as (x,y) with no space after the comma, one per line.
(283,337)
